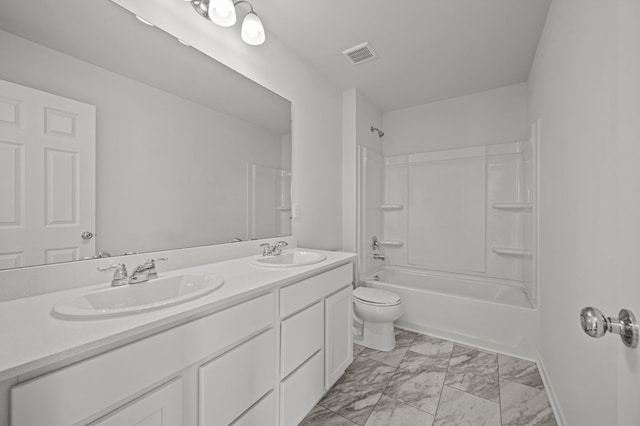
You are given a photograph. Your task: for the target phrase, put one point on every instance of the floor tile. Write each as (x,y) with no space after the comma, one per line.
(519,371)
(320,416)
(357,350)
(391,358)
(437,350)
(358,390)
(474,371)
(416,362)
(404,337)
(463,409)
(388,412)
(523,405)
(425,380)
(420,389)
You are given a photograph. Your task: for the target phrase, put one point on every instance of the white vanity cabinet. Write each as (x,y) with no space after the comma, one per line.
(314,352)
(94,388)
(261,362)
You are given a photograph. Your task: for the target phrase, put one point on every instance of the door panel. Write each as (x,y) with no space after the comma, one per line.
(628,221)
(47,177)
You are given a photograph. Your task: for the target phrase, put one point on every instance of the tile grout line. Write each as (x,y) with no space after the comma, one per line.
(499,389)
(443,383)
(397,369)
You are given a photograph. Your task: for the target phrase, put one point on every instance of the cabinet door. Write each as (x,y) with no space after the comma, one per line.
(302,335)
(160,407)
(232,383)
(338,335)
(301,391)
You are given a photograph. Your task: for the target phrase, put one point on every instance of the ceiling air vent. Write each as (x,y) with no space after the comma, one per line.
(360,53)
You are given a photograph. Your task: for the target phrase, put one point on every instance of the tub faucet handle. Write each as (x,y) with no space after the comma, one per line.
(375,244)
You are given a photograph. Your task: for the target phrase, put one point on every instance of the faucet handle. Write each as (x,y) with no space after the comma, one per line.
(152,266)
(266,249)
(120,274)
(277,248)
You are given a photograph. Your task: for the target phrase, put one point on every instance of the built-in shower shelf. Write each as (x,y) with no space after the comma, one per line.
(389,207)
(283,208)
(514,207)
(391,243)
(508,251)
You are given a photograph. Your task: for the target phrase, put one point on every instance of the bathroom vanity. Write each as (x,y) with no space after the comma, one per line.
(261,350)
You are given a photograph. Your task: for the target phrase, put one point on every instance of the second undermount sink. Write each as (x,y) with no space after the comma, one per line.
(136,298)
(290,258)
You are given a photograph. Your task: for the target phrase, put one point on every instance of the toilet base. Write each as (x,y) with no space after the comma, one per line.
(378,336)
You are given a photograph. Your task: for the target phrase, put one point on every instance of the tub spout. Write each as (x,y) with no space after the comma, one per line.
(378,256)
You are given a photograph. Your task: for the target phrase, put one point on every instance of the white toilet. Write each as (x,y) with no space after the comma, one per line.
(375,311)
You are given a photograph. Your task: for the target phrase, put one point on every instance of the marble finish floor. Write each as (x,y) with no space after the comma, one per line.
(430,381)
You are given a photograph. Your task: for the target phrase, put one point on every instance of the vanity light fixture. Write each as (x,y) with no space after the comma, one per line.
(223,13)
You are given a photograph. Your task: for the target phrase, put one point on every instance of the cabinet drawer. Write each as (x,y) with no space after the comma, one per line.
(232,383)
(162,407)
(301,337)
(101,383)
(300,392)
(306,292)
(262,414)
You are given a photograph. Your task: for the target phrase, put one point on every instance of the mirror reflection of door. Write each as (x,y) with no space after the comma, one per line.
(47,177)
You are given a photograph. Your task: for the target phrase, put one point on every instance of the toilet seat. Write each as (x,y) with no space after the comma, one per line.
(376,297)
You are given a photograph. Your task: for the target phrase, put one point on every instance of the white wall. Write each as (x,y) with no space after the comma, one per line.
(316,115)
(483,118)
(359,115)
(169,172)
(573,93)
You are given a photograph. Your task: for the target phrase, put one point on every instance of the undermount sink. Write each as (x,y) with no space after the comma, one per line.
(136,298)
(290,258)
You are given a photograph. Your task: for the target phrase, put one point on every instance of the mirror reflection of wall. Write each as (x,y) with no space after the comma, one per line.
(171,164)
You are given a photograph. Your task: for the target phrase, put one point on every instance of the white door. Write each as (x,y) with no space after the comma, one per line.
(628,223)
(47,177)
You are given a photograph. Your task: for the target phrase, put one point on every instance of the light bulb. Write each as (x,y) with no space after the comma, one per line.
(222,12)
(252,29)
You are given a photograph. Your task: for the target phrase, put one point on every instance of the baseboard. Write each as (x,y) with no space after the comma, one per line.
(550,392)
(462,339)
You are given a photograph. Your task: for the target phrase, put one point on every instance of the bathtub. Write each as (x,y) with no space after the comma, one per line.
(470,311)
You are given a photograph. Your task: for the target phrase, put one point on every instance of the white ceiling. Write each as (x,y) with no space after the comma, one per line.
(103,34)
(429,49)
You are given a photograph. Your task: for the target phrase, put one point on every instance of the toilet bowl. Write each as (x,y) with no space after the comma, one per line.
(376,310)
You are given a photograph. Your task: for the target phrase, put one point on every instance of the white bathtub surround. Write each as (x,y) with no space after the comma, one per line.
(458,235)
(466,211)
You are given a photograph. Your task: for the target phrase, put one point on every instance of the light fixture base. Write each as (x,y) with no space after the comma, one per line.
(202,7)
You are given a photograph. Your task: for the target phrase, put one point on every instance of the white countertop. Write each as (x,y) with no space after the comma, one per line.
(33,341)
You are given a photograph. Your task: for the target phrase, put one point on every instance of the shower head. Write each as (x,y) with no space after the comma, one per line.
(380,132)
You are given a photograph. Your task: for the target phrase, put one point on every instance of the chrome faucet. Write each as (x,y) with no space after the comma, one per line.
(378,256)
(273,250)
(145,271)
(119,276)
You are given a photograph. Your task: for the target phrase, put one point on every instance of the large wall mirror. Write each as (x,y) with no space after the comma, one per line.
(117,138)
